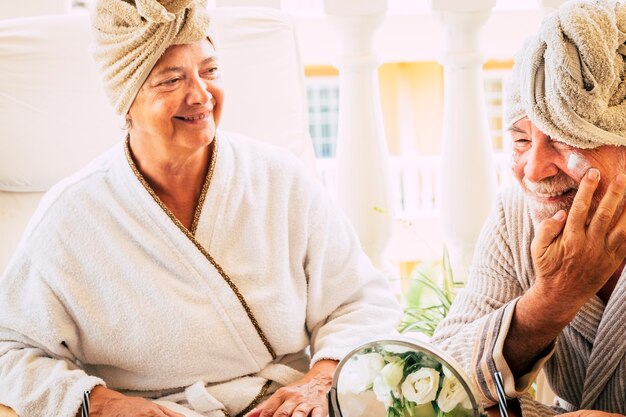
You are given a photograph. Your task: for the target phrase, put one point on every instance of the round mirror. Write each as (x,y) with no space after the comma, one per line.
(401,378)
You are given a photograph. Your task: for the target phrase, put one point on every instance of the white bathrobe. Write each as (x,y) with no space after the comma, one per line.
(105,288)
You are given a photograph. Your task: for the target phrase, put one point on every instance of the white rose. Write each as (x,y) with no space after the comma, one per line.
(421,386)
(452,394)
(358,374)
(387,382)
(382,391)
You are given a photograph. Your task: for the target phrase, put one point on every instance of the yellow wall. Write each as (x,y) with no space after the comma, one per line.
(418,94)
(411,96)
(493,64)
(320,71)
(387,78)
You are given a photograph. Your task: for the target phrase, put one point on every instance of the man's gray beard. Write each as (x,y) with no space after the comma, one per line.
(540,212)
(557,184)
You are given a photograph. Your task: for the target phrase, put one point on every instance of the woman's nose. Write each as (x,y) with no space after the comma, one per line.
(198,92)
(541,162)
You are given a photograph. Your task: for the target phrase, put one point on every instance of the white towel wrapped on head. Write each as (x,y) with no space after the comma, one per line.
(570,79)
(130,37)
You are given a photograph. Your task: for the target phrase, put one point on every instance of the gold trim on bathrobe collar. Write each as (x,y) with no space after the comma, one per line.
(190,233)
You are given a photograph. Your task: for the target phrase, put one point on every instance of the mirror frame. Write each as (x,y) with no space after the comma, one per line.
(334,409)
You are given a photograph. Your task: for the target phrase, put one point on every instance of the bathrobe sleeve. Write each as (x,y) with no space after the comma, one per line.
(38,373)
(349,301)
(478,322)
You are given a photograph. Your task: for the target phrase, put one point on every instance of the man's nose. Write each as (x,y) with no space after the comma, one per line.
(541,162)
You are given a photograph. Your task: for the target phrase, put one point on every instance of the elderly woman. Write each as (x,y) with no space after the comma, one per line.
(187,271)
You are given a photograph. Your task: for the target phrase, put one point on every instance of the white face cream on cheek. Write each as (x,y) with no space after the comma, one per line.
(577,165)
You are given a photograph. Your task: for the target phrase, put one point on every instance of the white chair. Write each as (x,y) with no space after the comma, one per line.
(54,116)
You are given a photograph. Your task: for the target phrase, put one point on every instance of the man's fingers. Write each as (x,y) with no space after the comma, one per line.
(577,218)
(616,239)
(548,230)
(605,212)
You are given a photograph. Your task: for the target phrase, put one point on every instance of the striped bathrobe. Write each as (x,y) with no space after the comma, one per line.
(585,366)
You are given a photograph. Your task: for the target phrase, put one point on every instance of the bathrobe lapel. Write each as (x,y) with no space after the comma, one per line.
(195,249)
(588,319)
(608,350)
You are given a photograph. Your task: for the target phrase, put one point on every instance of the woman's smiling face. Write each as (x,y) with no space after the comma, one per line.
(179,105)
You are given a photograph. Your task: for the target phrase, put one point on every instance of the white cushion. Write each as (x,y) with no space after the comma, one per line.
(263,78)
(54,116)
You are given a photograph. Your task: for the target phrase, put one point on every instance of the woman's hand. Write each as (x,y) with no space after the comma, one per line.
(591,413)
(104,402)
(305,397)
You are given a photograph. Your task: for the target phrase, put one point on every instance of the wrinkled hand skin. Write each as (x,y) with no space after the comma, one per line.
(590,413)
(305,397)
(574,259)
(104,402)
(574,256)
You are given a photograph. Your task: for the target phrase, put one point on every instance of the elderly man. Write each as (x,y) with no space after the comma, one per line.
(546,287)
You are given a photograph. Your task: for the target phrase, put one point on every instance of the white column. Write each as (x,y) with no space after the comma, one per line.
(468,180)
(549,6)
(362,157)
(11,9)
(253,3)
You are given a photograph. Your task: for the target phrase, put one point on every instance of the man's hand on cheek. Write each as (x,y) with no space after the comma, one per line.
(590,413)
(574,256)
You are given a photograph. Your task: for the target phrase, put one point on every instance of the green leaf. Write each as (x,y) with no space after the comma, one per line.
(429,299)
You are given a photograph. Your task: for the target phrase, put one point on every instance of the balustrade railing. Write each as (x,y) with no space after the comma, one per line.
(415,180)
(421,186)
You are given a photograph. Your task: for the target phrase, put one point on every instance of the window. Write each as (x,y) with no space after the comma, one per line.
(323,102)
(494,96)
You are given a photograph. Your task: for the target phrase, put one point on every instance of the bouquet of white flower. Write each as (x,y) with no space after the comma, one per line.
(408,382)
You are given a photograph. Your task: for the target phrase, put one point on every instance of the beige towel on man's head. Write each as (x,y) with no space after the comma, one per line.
(131,35)
(570,79)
